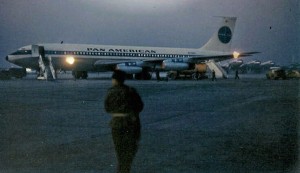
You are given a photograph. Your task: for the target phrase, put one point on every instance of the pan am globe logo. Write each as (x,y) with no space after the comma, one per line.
(224,34)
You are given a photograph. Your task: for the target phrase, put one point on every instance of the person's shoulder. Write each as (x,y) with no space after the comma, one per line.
(114,89)
(118,88)
(131,89)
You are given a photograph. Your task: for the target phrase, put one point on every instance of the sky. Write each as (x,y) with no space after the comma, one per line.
(268,26)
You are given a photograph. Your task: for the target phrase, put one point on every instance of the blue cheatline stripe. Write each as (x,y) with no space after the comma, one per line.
(87,53)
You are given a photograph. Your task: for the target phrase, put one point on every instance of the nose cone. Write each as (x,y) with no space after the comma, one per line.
(10,58)
(7,58)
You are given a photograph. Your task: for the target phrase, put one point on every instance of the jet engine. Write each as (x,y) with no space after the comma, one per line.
(129,68)
(174,65)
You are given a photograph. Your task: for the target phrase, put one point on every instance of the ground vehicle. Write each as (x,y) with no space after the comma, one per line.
(17,72)
(276,73)
(12,72)
(293,74)
(199,72)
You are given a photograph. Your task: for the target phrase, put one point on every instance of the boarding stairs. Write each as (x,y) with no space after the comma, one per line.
(47,71)
(219,71)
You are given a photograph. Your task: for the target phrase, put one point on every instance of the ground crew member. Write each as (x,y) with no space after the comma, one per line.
(237,75)
(213,75)
(124,104)
(157,76)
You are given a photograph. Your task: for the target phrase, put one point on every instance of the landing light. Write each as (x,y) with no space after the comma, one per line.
(28,70)
(70,60)
(236,55)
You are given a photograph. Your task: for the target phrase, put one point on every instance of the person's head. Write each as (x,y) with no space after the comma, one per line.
(118,77)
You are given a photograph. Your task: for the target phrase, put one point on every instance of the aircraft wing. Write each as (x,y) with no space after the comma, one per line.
(203,58)
(111,64)
(218,58)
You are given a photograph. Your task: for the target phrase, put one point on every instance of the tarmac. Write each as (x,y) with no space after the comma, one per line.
(247,125)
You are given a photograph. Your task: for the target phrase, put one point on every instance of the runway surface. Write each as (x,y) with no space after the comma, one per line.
(249,125)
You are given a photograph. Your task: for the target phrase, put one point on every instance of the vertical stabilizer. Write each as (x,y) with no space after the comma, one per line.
(222,38)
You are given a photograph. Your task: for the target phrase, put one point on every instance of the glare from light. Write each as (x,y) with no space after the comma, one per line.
(70,60)
(236,55)
(29,70)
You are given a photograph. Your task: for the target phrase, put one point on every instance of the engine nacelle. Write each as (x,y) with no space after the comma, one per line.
(173,65)
(129,68)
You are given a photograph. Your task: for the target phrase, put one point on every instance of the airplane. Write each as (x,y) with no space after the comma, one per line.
(252,66)
(267,65)
(233,65)
(140,61)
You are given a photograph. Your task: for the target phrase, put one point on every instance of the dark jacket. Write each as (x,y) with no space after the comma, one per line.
(123,99)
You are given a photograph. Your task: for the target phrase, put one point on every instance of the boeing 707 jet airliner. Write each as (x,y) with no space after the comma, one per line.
(84,58)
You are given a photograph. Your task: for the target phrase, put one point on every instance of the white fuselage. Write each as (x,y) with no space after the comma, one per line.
(82,58)
(90,57)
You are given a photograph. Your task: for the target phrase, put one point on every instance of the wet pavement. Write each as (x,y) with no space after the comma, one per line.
(249,125)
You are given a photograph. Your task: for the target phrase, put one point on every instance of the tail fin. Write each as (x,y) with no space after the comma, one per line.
(221,40)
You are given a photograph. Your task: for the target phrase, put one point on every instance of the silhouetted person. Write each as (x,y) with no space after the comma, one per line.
(197,75)
(157,76)
(213,75)
(237,75)
(124,104)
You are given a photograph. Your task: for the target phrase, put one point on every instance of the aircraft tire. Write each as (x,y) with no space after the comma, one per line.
(147,76)
(80,74)
(138,76)
(84,75)
(143,76)
(129,76)
(172,76)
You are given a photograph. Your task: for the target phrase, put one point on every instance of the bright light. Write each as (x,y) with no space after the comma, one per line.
(236,55)
(28,70)
(70,60)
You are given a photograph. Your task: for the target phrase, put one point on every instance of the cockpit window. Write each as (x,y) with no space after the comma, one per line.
(22,52)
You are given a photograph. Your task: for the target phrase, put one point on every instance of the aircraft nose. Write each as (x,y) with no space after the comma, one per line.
(8,58)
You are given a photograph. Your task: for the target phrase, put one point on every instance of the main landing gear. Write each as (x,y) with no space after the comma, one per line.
(80,74)
(144,75)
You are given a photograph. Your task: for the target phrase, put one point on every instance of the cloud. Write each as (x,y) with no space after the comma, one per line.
(169,23)
(139,7)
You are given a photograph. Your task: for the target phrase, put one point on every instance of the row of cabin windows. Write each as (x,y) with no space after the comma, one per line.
(115,54)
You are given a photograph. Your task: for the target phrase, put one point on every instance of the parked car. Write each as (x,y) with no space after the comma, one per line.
(293,74)
(276,73)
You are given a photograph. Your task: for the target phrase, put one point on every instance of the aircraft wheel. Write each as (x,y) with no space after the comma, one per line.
(129,76)
(143,76)
(172,76)
(147,76)
(138,76)
(80,74)
(84,75)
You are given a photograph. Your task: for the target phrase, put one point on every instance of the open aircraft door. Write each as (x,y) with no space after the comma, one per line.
(37,50)
(45,64)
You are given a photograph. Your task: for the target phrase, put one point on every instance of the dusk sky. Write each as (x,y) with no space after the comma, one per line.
(268,26)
